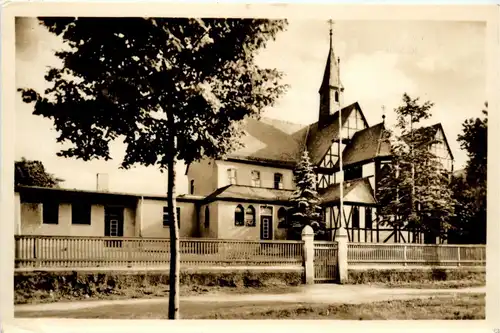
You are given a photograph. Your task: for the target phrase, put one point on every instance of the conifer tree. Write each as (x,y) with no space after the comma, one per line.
(306,209)
(416,191)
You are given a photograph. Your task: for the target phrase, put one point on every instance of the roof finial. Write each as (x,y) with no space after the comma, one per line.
(383,114)
(330,21)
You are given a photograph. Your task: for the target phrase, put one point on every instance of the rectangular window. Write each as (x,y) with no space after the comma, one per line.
(231,176)
(353,173)
(50,213)
(256,178)
(166,216)
(278,181)
(191,189)
(80,213)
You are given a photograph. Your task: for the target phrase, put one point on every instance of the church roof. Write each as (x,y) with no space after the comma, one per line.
(358,190)
(431,132)
(320,139)
(331,77)
(365,145)
(281,142)
(271,140)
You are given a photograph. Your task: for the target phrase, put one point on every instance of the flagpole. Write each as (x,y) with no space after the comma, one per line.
(341,167)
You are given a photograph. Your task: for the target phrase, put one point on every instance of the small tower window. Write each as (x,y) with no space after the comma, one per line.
(191,188)
(336,96)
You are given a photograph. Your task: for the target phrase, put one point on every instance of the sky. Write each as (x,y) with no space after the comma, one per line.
(440,61)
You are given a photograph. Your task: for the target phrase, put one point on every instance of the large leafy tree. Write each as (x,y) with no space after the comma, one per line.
(33,173)
(306,209)
(415,192)
(470,188)
(170,88)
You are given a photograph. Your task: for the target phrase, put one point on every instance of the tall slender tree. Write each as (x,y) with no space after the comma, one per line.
(171,88)
(415,192)
(306,209)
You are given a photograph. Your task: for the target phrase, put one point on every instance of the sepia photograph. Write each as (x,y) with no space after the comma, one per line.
(249,168)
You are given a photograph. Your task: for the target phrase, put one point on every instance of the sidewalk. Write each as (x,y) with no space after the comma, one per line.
(319,293)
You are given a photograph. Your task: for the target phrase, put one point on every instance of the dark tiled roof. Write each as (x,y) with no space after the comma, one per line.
(270,140)
(431,132)
(366,144)
(276,141)
(320,139)
(331,76)
(249,193)
(360,187)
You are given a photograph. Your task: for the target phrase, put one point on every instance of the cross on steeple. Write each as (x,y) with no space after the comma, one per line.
(331,89)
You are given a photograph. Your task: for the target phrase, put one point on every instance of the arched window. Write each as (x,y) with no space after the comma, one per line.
(239,216)
(368,218)
(250,216)
(207,217)
(355,217)
(282,217)
(336,96)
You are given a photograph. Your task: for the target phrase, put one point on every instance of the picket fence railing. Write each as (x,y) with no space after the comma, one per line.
(45,252)
(65,251)
(380,254)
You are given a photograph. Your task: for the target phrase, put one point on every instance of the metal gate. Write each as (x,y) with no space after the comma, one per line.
(325,261)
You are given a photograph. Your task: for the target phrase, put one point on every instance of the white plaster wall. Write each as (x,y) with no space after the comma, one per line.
(152,219)
(204,175)
(244,174)
(31,222)
(228,230)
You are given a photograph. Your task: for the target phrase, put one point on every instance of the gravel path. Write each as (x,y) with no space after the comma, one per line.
(319,293)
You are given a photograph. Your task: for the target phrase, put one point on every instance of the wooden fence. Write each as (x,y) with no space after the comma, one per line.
(416,255)
(72,252)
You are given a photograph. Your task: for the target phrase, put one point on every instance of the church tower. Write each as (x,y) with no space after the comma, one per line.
(331,90)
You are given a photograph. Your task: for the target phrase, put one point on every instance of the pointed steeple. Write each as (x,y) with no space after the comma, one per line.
(331,89)
(331,77)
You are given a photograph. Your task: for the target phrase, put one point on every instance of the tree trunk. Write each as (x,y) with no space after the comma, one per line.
(173,300)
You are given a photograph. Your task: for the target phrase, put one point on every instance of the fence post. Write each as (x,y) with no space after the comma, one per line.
(458,256)
(308,238)
(404,254)
(342,244)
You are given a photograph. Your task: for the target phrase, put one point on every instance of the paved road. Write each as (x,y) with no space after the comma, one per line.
(319,293)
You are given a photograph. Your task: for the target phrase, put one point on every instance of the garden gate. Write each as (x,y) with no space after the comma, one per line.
(325,261)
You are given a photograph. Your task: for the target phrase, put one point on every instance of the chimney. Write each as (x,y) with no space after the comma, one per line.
(102,182)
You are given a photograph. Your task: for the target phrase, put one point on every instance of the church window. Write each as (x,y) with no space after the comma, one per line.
(351,173)
(239,216)
(278,181)
(336,96)
(250,216)
(207,217)
(368,218)
(355,217)
(282,217)
(231,175)
(256,178)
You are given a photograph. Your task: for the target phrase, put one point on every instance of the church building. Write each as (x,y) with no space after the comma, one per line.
(247,194)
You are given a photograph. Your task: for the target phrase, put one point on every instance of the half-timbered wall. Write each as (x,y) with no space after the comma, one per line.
(441,151)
